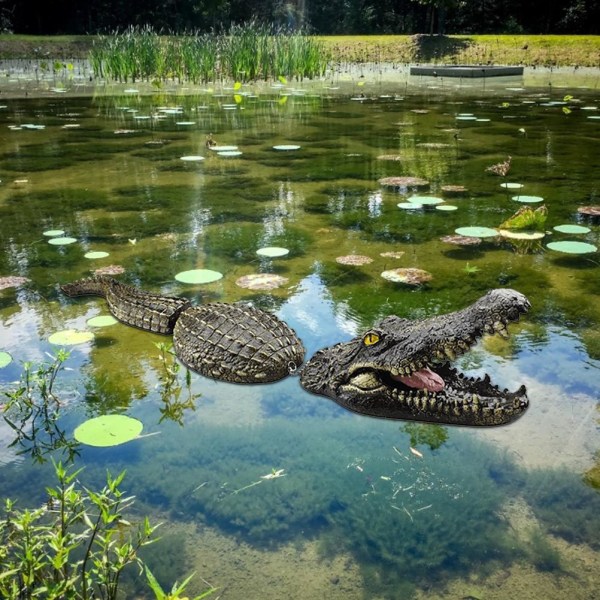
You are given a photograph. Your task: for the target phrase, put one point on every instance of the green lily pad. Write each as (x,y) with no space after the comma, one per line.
(223,148)
(569,228)
(571,247)
(229,153)
(285,147)
(425,200)
(528,199)
(192,158)
(272,251)
(511,185)
(409,205)
(102,321)
(53,233)
(97,254)
(61,241)
(479,232)
(446,207)
(70,337)
(108,430)
(5,359)
(198,276)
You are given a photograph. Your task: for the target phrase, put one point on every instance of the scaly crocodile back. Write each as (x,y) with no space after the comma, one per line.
(236,343)
(132,306)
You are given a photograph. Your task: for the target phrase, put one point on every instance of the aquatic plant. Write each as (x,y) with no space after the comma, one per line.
(245,52)
(526,218)
(32,411)
(542,554)
(76,545)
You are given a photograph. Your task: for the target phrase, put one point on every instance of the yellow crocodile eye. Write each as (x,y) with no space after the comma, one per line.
(370,339)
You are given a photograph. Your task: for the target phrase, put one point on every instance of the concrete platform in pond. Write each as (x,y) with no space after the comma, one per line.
(466,71)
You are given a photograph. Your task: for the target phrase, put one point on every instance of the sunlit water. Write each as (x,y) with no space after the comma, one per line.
(356,513)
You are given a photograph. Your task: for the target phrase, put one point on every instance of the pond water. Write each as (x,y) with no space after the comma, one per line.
(360,507)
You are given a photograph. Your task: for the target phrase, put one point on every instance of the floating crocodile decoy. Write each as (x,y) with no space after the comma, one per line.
(399,369)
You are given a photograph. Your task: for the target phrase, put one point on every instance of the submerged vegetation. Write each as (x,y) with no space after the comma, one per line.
(246,52)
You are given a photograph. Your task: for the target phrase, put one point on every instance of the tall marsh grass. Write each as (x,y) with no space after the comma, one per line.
(247,52)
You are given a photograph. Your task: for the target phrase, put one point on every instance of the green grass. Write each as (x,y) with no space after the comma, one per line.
(541,50)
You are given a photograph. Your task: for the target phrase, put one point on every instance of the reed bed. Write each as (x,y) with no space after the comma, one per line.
(247,52)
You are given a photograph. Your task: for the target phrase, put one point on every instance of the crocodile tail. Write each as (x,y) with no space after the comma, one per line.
(91,286)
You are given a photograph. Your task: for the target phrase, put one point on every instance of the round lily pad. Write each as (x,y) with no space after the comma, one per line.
(108,430)
(272,251)
(521,235)
(446,207)
(511,186)
(223,148)
(425,200)
(198,276)
(97,254)
(5,359)
(261,281)
(229,153)
(286,147)
(192,158)
(409,205)
(570,228)
(408,276)
(354,259)
(61,241)
(528,199)
(102,321)
(54,233)
(571,247)
(70,337)
(478,232)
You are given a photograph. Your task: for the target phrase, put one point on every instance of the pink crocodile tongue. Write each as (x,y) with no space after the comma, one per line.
(423,379)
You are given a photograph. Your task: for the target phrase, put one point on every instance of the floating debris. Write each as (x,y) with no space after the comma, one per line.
(124,131)
(354,259)
(408,276)
(392,254)
(454,190)
(403,182)
(433,145)
(394,157)
(11,281)
(589,211)
(261,281)
(501,169)
(110,270)
(461,240)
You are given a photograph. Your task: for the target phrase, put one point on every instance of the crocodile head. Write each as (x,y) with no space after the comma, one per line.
(401,369)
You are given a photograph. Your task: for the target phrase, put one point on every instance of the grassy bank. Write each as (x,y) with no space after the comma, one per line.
(527,50)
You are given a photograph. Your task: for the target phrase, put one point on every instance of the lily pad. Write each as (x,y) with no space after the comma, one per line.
(511,186)
(5,359)
(286,147)
(272,251)
(192,158)
(12,281)
(478,232)
(102,321)
(229,153)
(395,157)
(96,254)
(53,233)
(431,200)
(570,228)
(198,276)
(354,259)
(408,276)
(62,241)
(108,430)
(446,207)
(571,247)
(528,199)
(261,281)
(70,337)
(223,148)
(409,205)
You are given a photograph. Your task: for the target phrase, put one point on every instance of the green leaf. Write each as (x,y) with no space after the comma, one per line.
(154,585)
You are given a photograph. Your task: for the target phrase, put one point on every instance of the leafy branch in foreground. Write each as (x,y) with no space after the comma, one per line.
(32,410)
